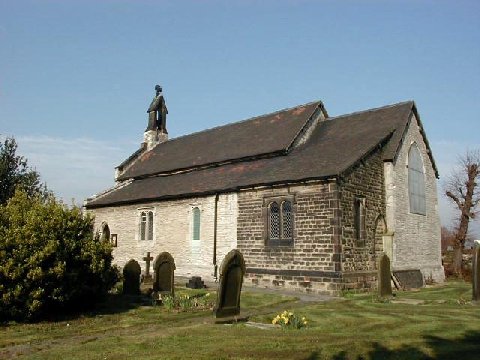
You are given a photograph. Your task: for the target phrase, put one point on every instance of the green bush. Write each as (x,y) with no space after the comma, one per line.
(50,260)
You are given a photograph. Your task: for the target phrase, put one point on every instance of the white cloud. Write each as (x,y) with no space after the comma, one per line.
(74,168)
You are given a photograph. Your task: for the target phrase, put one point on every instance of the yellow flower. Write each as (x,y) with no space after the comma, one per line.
(305,322)
(303,318)
(290,314)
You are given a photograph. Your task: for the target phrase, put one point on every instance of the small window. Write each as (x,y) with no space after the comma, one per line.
(416,181)
(287,220)
(146,225)
(360,225)
(105,236)
(196,223)
(274,221)
(279,220)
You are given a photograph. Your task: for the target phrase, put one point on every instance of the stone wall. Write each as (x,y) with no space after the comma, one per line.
(173,226)
(364,182)
(416,238)
(312,263)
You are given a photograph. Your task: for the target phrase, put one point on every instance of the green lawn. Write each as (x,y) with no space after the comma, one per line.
(443,324)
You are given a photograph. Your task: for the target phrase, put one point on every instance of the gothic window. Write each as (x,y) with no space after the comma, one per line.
(105,233)
(279,222)
(360,226)
(196,223)
(146,225)
(416,181)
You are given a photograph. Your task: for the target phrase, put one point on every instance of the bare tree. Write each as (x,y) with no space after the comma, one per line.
(448,237)
(462,189)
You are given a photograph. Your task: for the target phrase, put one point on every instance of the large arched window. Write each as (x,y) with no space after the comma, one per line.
(416,181)
(146,225)
(196,223)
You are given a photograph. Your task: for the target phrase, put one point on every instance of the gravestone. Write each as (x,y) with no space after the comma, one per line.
(195,282)
(476,271)
(409,279)
(230,285)
(164,267)
(131,278)
(384,276)
(147,278)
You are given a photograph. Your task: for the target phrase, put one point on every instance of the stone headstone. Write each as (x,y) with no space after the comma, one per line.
(476,271)
(409,279)
(195,282)
(163,280)
(230,285)
(147,278)
(131,278)
(384,276)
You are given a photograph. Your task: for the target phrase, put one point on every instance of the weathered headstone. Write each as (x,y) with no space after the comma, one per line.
(476,272)
(195,282)
(409,279)
(147,278)
(164,267)
(131,278)
(384,276)
(230,285)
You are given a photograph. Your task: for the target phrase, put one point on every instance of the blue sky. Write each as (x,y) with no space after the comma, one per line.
(76,77)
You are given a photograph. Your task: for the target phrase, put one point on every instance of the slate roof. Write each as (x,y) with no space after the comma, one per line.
(266,134)
(335,145)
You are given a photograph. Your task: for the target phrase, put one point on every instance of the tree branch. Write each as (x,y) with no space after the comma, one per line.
(454,198)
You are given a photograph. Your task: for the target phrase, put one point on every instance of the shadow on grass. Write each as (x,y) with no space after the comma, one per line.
(110,305)
(467,347)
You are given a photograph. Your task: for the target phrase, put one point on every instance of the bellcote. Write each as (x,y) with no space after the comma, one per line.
(156,131)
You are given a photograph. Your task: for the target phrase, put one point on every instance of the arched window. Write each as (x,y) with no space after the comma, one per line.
(105,235)
(196,223)
(274,221)
(360,225)
(416,181)
(146,225)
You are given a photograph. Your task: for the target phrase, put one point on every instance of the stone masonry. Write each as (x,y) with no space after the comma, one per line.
(310,265)
(365,181)
(416,238)
(172,232)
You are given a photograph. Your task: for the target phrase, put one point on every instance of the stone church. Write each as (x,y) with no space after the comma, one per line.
(310,200)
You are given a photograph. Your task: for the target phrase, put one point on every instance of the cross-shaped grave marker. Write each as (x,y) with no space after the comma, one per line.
(147,259)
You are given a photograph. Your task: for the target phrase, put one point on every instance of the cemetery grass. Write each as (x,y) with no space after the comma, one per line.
(437,322)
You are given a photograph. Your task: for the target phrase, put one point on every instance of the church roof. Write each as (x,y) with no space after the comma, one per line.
(336,145)
(259,136)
